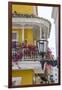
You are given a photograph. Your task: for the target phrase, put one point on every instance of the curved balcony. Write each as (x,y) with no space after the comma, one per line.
(19,21)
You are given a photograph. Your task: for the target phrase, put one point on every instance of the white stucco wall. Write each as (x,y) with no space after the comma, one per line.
(55,16)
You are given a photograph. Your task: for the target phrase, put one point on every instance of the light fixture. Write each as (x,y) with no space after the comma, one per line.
(42,46)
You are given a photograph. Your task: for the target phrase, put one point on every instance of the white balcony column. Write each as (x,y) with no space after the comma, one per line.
(22,33)
(40,33)
(23,40)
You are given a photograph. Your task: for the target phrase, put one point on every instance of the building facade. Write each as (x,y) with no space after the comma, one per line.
(27,30)
(55,16)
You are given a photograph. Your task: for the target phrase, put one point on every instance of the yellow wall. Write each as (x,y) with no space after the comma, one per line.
(22,9)
(28,35)
(27,76)
(20,36)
